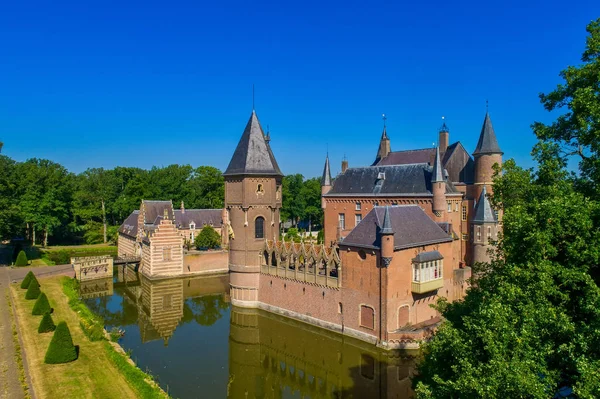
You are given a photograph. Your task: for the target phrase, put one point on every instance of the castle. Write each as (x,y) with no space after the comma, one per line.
(399,234)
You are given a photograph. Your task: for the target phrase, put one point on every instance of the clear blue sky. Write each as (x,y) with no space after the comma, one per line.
(100,84)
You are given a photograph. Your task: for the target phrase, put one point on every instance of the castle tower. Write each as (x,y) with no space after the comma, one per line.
(384,145)
(325,181)
(253,200)
(486,155)
(443,138)
(438,187)
(387,239)
(484,227)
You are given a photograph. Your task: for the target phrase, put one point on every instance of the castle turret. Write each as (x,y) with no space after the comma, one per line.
(325,181)
(384,145)
(444,138)
(486,154)
(387,238)
(253,200)
(484,227)
(438,186)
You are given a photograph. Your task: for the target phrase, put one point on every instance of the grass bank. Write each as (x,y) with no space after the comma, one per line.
(95,374)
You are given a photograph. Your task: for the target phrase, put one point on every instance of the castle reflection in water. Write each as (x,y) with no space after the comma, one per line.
(185,333)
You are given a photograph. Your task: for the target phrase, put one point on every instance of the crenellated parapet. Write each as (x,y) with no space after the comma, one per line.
(305,262)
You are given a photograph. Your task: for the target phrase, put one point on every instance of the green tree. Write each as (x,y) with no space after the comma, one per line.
(22,259)
(293,204)
(46,324)
(10,217)
(207,238)
(311,193)
(28,277)
(33,291)
(41,306)
(61,348)
(207,188)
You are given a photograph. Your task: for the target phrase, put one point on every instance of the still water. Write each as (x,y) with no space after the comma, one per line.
(187,335)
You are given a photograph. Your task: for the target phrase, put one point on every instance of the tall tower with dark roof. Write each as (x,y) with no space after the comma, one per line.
(325,181)
(438,186)
(384,145)
(486,154)
(253,201)
(484,227)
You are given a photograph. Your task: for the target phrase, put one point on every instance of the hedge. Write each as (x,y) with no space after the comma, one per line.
(27,280)
(47,324)
(21,259)
(61,348)
(33,291)
(41,305)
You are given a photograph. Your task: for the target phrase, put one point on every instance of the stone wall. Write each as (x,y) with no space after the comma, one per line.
(126,246)
(92,267)
(165,256)
(198,262)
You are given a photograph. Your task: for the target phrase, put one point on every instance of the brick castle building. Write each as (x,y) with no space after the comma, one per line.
(399,234)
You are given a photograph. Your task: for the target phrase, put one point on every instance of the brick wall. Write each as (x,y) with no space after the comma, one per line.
(205,261)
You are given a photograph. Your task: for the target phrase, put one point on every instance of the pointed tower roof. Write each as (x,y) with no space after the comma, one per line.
(253,155)
(437,174)
(487,143)
(326,179)
(484,213)
(386,228)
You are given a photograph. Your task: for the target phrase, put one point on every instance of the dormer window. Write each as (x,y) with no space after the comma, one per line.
(192,226)
(381,176)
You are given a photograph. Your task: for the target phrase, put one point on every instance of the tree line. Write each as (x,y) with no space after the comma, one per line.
(44,203)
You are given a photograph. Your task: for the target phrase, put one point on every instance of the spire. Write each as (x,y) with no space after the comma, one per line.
(384,143)
(387,223)
(326,179)
(437,174)
(253,155)
(444,127)
(483,211)
(487,143)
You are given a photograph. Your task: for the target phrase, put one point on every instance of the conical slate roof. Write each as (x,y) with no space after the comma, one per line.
(483,211)
(437,175)
(387,224)
(253,155)
(487,139)
(326,179)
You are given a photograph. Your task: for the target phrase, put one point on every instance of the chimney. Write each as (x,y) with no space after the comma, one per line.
(182,207)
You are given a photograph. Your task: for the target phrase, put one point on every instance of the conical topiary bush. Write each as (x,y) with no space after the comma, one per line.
(41,305)
(61,348)
(21,259)
(33,291)
(47,324)
(27,280)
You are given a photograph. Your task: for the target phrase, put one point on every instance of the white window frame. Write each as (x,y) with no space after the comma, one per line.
(357,219)
(358,206)
(342,221)
(428,271)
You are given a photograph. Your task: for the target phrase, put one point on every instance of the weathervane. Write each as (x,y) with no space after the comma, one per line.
(384,120)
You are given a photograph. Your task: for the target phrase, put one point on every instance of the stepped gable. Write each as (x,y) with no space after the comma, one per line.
(424,155)
(130,225)
(410,224)
(200,217)
(397,180)
(154,209)
(253,155)
(487,144)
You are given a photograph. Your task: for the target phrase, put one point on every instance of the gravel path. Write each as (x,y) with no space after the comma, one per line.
(10,386)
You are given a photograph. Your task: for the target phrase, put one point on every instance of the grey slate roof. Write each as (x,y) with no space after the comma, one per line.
(253,155)
(130,225)
(387,224)
(424,155)
(484,213)
(154,209)
(326,179)
(437,175)
(411,225)
(200,217)
(399,180)
(427,256)
(487,144)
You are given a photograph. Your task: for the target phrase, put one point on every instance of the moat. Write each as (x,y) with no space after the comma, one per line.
(187,335)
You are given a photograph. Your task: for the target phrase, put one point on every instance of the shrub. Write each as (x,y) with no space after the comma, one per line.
(41,306)
(208,238)
(61,257)
(21,259)
(47,324)
(33,291)
(61,348)
(27,280)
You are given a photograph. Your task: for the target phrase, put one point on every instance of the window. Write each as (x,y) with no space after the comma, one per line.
(464,213)
(456,207)
(166,253)
(259,227)
(357,206)
(465,237)
(489,233)
(496,213)
(427,271)
(342,221)
(367,317)
(192,226)
(357,219)
(259,188)
(449,207)
(478,233)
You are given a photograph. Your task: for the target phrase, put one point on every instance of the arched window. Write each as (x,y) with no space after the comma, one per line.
(259,227)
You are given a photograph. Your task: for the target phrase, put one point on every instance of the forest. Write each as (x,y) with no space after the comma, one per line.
(45,204)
